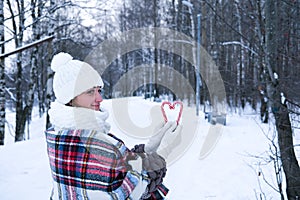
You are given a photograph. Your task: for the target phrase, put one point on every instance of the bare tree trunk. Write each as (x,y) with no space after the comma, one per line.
(156,64)
(49,89)
(20,112)
(242,57)
(2,76)
(262,86)
(18,38)
(279,109)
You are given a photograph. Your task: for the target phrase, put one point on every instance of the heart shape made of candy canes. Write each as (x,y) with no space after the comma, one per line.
(172,107)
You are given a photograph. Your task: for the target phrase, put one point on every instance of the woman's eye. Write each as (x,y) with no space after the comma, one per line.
(99,91)
(90,92)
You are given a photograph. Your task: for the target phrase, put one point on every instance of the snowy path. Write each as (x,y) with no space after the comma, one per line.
(225,173)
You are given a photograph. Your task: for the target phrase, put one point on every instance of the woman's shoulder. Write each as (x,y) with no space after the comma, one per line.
(94,138)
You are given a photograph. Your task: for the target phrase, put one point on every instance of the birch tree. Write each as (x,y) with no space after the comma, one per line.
(36,12)
(2,75)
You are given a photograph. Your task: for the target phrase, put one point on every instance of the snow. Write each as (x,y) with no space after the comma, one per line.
(282,98)
(230,171)
(188,4)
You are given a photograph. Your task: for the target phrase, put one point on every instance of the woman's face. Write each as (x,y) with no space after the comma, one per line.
(89,99)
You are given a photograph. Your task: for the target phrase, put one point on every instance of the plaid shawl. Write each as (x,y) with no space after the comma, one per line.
(86,164)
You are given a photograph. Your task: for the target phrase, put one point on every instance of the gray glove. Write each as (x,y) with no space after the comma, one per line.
(155,141)
(170,140)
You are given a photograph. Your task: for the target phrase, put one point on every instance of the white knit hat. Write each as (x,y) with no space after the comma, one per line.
(72,77)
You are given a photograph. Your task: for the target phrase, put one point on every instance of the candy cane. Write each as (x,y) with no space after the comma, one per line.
(172,106)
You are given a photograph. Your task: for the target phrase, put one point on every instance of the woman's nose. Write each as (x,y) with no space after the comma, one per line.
(99,97)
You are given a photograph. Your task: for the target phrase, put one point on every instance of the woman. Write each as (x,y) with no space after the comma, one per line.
(87,162)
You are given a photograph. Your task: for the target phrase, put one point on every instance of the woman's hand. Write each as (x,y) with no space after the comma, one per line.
(162,130)
(169,142)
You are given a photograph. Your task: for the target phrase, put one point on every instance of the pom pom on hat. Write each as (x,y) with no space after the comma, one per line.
(72,77)
(60,60)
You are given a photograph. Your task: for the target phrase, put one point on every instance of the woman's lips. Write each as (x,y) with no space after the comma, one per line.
(97,106)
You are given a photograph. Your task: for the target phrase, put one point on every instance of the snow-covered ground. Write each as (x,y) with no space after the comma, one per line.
(230,171)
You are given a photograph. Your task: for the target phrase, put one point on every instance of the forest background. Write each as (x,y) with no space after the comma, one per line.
(254,44)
